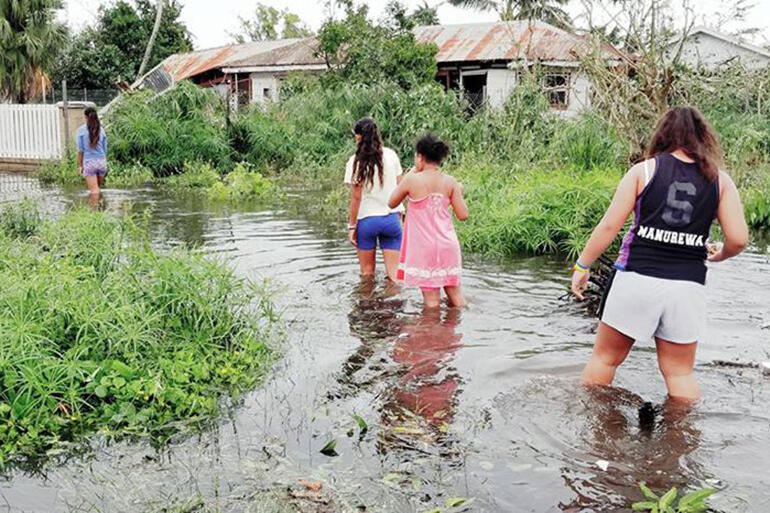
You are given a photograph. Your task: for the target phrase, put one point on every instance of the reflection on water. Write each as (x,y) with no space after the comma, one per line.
(481,403)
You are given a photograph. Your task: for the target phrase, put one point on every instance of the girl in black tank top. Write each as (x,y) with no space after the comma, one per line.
(658,290)
(672,221)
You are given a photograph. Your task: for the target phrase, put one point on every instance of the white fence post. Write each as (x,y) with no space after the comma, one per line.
(30,132)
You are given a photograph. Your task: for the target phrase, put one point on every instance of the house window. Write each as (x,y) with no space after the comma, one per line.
(556,86)
(266,93)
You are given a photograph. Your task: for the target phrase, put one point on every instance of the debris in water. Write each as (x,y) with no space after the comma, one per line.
(311,485)
(765,366)
(603,464)
(647,416)
(328,449)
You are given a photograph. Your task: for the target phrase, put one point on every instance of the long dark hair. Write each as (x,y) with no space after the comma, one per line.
(94,126)
(368,153)
(685,128)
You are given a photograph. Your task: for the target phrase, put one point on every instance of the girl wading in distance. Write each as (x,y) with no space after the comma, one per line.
(373,174)
(658,287)
(92,152)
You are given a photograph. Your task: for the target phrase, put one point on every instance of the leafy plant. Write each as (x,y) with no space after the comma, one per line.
(101,332)
(693,502)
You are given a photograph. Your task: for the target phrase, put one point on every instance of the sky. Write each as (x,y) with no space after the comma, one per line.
(210,22)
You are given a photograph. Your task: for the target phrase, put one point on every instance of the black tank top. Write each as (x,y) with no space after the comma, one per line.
(672,221)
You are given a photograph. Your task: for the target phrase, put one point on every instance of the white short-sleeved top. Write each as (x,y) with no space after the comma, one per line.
(374,199)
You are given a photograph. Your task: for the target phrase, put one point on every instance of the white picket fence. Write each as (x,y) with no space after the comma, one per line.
(30,131)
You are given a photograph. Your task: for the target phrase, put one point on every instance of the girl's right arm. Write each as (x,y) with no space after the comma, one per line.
(355,205)
(730,216)
(400,192)
(80,161)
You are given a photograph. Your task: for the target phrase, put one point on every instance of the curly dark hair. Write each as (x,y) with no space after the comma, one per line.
(368,158)
(685,128)
(432,148)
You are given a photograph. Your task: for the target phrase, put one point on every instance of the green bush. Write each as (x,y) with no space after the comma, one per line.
(194,175)
(243,182)
(185,124)
(100,332)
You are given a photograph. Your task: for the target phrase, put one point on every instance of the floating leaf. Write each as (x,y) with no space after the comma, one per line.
(363,427)
(454,502)
(643,506)
(328,449)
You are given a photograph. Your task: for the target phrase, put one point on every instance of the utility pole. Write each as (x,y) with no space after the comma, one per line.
(151,42)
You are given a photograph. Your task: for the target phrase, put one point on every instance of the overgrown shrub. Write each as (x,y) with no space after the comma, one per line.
(185,124)
(100,332)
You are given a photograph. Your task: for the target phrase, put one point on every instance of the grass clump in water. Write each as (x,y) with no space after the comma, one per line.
(100,332)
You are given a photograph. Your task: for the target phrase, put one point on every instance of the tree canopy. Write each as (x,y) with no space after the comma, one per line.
(360,51)
(270,23)
(549,11)
(112,49)
(29,36)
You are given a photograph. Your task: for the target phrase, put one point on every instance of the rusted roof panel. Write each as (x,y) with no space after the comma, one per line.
(282,52)
(506,41)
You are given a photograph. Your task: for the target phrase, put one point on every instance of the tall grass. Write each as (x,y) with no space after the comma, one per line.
(100,332)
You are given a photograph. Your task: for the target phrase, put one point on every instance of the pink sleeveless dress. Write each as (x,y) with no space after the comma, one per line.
(430,251)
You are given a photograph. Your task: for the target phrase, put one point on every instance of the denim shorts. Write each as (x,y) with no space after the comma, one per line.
(385,229)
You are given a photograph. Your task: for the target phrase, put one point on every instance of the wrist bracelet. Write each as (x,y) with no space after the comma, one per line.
(580,267)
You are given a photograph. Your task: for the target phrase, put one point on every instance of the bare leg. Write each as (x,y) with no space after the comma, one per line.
(366,260)
(431,298)
(391,256)
(455,295)
(93,187)
(100,181)
(610,349)
(676,362)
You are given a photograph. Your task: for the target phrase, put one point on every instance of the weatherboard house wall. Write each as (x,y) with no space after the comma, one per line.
(709,49)
(485,61)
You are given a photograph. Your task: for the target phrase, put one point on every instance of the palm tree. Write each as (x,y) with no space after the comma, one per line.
(29,38)
(549,11)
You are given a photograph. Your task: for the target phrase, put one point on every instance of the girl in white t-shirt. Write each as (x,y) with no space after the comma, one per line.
(373,174)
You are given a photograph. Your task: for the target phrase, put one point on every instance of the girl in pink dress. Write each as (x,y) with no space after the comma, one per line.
(430,252)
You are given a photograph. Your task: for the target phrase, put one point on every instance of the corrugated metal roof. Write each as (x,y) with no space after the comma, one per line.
(282,52)
(506,41)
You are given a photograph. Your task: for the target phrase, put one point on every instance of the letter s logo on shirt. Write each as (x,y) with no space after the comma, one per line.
(678,212)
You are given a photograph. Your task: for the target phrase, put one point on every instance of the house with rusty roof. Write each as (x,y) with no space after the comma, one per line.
(485,60)
(247,73)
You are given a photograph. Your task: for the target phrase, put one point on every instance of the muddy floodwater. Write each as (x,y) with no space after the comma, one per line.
(482,403)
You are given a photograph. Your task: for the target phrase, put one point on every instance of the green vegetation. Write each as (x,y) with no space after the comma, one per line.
(100,332)
(29,37)
(111,49)
(536,182)
(694,502)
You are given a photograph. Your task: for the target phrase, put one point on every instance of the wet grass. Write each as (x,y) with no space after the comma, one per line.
(100,332)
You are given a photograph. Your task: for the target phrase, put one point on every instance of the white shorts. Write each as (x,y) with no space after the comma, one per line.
(643,307)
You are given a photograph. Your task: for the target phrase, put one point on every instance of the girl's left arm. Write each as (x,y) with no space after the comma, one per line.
(605,232)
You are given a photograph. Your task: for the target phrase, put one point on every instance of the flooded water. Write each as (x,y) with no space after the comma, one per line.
(482,403)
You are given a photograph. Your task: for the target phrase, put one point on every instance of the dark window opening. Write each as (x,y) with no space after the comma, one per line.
(475,89)
(556,87)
